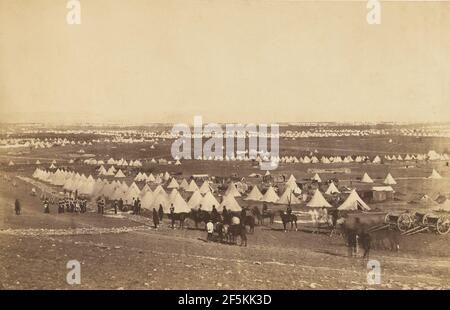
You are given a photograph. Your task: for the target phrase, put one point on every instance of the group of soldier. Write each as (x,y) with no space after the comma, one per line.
(118,205)
(72,205)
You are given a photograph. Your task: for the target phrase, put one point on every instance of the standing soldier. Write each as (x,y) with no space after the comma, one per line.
(160,212)
(115,205)
(17,207)
(138,206)
(155,218)
(102,206)
(120,204)
(172,215)
(46,206)
(60,206)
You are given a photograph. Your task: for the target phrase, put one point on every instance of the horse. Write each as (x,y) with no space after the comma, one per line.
(261,216)
(215,217)
(288,218)
(199,216)
(356,233)
(233,231)
(178,217)
(248,220)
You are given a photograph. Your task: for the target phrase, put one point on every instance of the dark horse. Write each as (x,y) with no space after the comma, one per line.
(178,217)
(249,221)
(261,216)
(199,216)
(233,231)
(288,218)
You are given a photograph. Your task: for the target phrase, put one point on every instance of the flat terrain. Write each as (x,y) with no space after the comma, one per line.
(123,252)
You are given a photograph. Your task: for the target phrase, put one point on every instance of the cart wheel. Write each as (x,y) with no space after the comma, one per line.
(443,225)
(404,222)
(425,218)
(387,218)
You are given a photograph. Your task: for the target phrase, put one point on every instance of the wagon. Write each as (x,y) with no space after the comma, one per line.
(411,223)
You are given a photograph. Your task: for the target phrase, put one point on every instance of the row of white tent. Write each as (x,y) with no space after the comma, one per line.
(353,201)
(327,160)
(200,198)
(41,143)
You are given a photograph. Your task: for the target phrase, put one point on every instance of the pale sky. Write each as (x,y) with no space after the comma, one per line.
(143,61)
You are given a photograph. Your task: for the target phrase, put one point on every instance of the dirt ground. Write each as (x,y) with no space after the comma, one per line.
(125,252)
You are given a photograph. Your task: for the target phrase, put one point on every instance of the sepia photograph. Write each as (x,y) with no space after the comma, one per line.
(224,145)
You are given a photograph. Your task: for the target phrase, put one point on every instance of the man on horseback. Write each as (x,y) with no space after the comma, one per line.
(264,209)
(214,213)
(224,211)
(289,210)
(243,213)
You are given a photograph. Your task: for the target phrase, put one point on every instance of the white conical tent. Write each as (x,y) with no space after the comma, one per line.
(232,190)
(376,160)
(119,174)
(184,184)
(158,190)
(172,194)
(98,187)
(86,188)
(435,175)
(354,202)
(317,178)
(102,170)
(179,205)
(288,197)
(151,178)
(192,187)
(205,188)
(161,199)
(133,192)
(208,202)
(389,180)
(173,184)
(254,194)
(145,190)
(294,187)
(270,195)
(195,199)
(230,203)
(38,162)
(318,201)
(332,189)
(108,190)
(291,179)
(166,176)
(366,178)
(147,200)
(138,177)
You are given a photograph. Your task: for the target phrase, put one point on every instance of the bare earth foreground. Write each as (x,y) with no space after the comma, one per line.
(126,253)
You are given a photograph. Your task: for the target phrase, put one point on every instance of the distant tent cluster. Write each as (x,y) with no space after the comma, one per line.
(314,159)
(112,161)
(201,198)
(431,155)
(37,143)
